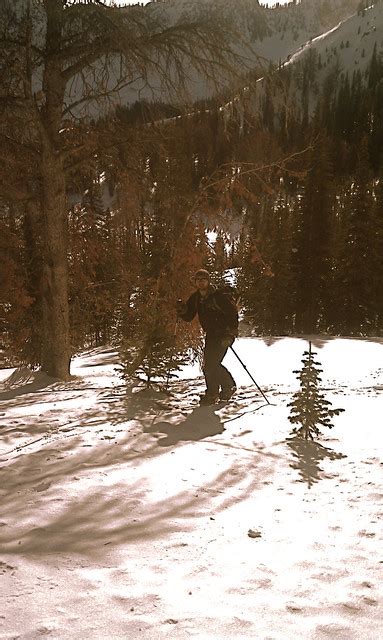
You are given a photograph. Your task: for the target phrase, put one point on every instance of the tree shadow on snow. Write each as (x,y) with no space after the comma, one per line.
(87,523)
(22,382)
(307,458)
(201,423)
(47,504)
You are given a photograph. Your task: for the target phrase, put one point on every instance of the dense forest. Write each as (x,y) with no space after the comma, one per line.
(295,200)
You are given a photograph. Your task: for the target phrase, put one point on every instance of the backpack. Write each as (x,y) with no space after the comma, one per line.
(230,293)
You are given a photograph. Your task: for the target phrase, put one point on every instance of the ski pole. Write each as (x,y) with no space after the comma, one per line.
(246,369)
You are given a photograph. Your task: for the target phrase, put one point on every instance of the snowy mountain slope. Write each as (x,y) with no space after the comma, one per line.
(349,45)
(269,30)
(343,49)
(293,25)
(273,35)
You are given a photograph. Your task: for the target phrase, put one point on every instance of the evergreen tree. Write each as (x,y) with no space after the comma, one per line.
(172,245)
(311,242)
(342,117)
(281,286)
(62,61)
(354,309)
(153,351)
(14,296)
(376,259)
(309,408)
(94,268)
(268,301)
(155,345)
(375,99)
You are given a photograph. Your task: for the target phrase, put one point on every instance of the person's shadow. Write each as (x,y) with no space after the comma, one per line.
(201,423)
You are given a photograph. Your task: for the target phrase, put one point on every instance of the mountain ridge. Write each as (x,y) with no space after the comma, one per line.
(344,50)
(277,36)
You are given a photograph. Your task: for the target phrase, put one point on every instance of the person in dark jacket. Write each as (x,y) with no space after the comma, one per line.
(218,316)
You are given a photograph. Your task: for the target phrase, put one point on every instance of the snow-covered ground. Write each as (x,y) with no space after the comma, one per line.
(130,514)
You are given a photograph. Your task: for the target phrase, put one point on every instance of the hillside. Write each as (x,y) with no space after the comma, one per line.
(264,36)
(343,50)
(290,27)
(349,46)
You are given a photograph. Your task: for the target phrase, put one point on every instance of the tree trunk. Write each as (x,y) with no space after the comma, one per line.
(56,350)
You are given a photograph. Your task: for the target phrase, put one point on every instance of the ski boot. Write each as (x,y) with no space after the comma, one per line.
(226,394)
(208,399)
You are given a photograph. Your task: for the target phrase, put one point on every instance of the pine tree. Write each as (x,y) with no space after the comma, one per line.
(342,116)
(94,267)
(76,65)
(375,99)
(312,242)
(14,296)
(376,258)
(155,345)
(353,287)
(171,247)
(309,408)
(280,287)
(268,301)
(159,363)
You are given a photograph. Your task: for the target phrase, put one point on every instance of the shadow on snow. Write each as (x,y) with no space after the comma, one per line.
(201,423)
(307,458)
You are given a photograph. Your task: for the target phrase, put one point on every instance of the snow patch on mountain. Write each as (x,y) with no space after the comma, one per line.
(350,44)
(345,48)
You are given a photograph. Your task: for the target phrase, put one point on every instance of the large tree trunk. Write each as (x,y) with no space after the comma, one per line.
(56,350)
(54,294)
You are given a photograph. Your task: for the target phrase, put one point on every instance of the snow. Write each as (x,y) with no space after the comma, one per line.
(293,30)
(360,32)
(342,49)
(132,514)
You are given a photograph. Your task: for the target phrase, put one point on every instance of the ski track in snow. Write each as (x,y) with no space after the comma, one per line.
(128,513)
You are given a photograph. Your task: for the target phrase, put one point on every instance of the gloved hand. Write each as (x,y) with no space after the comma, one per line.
(227,341)
(180,307)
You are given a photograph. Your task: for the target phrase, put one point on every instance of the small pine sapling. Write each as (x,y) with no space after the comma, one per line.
(309,408)
(152,348)
(162,361)
(153,353)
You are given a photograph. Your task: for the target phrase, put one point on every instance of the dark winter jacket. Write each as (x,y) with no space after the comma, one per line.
(217,312)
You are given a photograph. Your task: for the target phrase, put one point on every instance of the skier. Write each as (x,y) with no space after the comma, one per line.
(218,317)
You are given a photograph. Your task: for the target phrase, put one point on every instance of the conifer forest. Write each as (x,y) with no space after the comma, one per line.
(288,196)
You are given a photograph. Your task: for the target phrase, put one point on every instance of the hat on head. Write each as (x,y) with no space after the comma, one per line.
(202,273)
